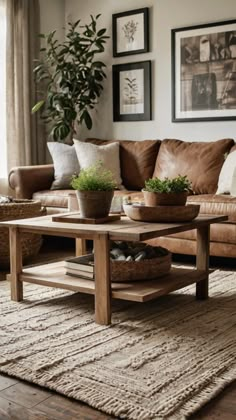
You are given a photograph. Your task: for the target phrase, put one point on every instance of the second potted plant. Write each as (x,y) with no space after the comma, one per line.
(166,192)
(95,189)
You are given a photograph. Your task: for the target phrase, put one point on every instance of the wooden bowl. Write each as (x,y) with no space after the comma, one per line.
(162,213)
(164,199)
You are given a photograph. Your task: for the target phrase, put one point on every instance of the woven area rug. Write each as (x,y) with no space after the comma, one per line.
(160,360)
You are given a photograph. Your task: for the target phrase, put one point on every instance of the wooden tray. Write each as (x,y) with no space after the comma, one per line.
(76,218)
(162,213)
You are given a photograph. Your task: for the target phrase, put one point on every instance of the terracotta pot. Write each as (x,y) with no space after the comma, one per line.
(164,199)
(94,204)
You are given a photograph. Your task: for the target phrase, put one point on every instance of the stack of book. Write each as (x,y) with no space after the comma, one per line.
(80,266)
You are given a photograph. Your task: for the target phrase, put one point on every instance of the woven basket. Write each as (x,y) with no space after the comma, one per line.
(125,271)
(30,242)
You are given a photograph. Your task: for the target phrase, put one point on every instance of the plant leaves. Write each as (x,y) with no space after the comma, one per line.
(101,32)
(98,64)
(71,77)
(87,120)
(37,106)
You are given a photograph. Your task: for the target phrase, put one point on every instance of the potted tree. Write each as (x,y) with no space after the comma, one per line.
(166,192)
(94,189)
(72,78)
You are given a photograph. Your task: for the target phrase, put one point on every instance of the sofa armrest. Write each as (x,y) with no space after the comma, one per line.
(26,180)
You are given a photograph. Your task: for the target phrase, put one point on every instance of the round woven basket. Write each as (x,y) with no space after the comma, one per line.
(125,271)
(30,242)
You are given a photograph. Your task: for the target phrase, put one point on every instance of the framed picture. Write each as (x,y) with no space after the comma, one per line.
(130,32)
(132,91)
(204,72)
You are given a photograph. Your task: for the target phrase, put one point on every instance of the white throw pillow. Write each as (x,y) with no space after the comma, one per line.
(233,184)
(226,174)
(88,154)
(65,164)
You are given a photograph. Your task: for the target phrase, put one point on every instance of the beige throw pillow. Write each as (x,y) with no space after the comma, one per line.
(65,164)
(226,174)
(88,154)
(233,184)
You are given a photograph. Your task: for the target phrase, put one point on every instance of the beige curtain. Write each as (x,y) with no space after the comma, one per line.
(25,139)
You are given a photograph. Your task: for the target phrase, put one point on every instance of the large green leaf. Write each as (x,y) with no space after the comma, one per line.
(38,68)
(101,32)
(37,106)
(98,64)
(87,119)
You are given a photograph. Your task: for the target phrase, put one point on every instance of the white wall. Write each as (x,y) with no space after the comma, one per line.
(164,16)
(52,17)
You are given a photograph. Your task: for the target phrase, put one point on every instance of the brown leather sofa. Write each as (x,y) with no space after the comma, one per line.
(140,160)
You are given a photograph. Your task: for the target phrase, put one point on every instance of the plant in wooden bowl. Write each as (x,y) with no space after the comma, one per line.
(166,192)
(95,189)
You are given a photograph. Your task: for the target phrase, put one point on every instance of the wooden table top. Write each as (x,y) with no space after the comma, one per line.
(124,229)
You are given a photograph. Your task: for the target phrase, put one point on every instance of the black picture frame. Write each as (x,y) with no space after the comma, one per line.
(130,32)
(132,91)
(204,72)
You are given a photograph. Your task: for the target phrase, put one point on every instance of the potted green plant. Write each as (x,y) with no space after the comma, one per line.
(94,189)
(166,192)
(70,78)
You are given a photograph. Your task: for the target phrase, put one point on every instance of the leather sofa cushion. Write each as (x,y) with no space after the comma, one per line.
(53,198)
(200,161)
(137,160)
(215,204)
(219,232)
(185,246)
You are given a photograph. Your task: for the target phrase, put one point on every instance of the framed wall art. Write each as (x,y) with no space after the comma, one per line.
(132,91)
(204,72)
(130,32)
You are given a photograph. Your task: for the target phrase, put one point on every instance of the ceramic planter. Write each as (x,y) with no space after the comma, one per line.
(164,199)
(94,204)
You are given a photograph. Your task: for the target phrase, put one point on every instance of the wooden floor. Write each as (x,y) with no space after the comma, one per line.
(22,401)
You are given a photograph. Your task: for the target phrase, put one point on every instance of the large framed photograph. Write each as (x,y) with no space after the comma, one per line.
(132,91)
(130,32)
(204,72)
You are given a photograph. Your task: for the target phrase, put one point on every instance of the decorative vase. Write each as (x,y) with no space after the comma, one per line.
(94,204)
(153,199)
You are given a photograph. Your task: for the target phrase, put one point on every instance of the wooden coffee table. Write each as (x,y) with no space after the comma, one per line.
(53,275)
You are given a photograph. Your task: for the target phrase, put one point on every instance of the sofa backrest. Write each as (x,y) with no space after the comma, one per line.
(137,160)
(200,161)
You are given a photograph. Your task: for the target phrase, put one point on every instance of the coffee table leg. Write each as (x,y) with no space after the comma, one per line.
(80,247)
(16,264)
(102,280)
(202,263)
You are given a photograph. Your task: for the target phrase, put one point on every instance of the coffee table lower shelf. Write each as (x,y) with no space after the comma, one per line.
(53,275)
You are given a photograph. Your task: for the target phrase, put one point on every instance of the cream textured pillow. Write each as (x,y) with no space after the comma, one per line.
(65,164)
(88,154)
(233,184)
(226,174)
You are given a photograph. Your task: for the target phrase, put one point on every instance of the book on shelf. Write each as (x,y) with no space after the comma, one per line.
(80,273)
(84,263)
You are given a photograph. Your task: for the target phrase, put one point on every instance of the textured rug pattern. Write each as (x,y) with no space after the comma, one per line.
(159,360)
